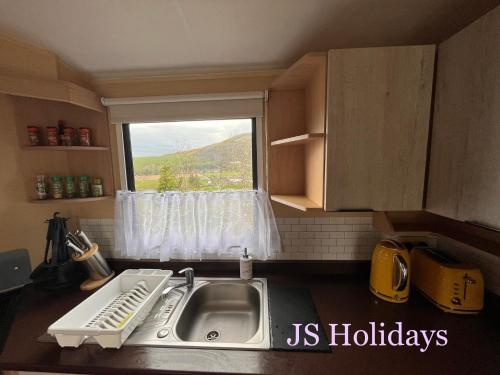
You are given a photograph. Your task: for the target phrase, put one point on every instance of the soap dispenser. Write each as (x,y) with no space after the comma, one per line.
(245,265)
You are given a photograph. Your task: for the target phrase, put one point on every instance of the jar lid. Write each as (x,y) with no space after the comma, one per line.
(69,178)
(83,178)
(32,128)
(55,178)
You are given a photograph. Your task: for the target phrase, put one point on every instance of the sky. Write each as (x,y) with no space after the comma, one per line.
(160,138)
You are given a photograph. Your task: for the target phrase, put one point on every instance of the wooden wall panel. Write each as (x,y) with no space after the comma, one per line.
(286,116)
(300,73)
(207,83)
(286,113)
(66,72)
(315,99)
(314,152)
(287,166)
(464,175)
(314,155)
(378,117)
(24,59)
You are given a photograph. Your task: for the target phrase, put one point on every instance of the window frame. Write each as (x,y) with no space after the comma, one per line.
(127,166)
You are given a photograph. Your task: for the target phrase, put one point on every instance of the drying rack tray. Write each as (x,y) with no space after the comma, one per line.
(114,311)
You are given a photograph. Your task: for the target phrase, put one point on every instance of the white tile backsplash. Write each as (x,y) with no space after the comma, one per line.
(316,238)
(100,231)
(327,238)
(331,238)
(489,264)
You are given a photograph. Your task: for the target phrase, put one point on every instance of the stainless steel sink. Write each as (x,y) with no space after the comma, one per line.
(215,313)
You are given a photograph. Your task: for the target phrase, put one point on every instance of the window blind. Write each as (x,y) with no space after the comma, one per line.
(185,107)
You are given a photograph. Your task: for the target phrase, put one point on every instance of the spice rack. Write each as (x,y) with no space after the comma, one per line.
(93,161)
(68,187)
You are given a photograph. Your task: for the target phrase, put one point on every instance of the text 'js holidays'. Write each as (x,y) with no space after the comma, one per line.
(376,334)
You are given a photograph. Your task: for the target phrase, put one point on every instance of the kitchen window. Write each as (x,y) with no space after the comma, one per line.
(190,170)
(203,155)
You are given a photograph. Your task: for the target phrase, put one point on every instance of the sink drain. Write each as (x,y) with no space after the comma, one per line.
(213,335)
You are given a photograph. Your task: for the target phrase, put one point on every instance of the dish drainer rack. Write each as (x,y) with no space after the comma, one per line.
(113,312)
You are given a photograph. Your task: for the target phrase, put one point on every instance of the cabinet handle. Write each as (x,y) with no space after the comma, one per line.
(481,225)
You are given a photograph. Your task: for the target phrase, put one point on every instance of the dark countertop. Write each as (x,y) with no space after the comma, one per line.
(473,341)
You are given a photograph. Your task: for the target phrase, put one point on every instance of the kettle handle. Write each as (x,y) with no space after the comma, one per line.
(400,273)
(396,244)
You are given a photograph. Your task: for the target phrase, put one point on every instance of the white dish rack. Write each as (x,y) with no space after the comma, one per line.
(113,312)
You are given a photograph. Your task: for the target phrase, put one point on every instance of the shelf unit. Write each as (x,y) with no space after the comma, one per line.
(422,221)
(299,139)
(65,148)
(35,107)
(295,134)
(72,200)
(54,90)
(297,201)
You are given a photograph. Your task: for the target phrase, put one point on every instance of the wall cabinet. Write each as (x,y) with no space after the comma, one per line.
(377,127)
(365,129)
(464,170)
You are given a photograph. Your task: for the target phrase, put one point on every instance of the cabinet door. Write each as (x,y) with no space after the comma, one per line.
(464,172)
(377,127)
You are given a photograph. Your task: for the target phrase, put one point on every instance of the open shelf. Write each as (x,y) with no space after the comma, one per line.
(92,161)
(65,148)
(55,90)
(296,201)
(423,221)
(72,200)
(296,119)
(299,139)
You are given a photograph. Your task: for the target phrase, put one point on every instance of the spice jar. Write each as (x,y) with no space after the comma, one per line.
(69,186)
(33,135)
(60,131)
(68,136)
(84,186)
(56,187)
(52,136)
(41,187)
(97,190)
(84,136)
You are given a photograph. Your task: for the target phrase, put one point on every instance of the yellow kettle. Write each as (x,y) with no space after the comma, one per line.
(390,271)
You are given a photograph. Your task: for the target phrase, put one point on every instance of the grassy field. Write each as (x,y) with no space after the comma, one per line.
(220,166)
(146,182)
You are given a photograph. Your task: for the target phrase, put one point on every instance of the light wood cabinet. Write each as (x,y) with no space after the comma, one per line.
(464,170)
(378,109)
(295,134)
(349,132)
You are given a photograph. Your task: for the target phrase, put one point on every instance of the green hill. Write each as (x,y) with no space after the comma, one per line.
(223,165)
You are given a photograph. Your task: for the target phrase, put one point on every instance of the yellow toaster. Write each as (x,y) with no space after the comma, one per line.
(390,271)
(452,286)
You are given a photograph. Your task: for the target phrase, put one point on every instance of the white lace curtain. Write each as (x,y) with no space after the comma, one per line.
(194,225)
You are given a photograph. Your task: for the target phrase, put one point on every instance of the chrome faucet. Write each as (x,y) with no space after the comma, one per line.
(189,272)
